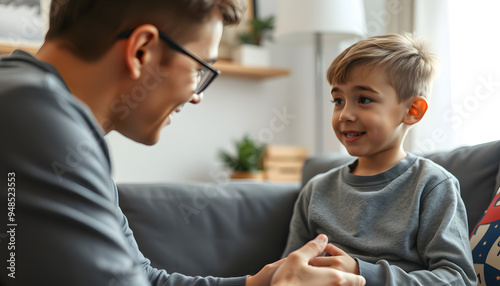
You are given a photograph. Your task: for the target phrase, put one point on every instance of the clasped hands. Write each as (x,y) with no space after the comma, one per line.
(304,267)
(338,260)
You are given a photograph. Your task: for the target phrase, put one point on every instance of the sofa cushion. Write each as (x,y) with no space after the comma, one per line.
(476,167)
(223,230)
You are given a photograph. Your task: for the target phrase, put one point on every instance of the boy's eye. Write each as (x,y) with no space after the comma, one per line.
(337,101)
(364,100)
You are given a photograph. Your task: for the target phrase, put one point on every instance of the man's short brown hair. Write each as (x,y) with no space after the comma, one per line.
(88,28)
(405,60)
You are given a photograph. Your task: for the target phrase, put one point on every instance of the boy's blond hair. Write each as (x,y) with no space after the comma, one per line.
(406,61)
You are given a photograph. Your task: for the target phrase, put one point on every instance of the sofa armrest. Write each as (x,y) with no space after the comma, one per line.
(222,230)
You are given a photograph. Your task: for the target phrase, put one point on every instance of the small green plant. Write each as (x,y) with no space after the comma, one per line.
(258,30)
(248,156)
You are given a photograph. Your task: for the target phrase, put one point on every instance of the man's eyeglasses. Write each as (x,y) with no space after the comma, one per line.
(207,73)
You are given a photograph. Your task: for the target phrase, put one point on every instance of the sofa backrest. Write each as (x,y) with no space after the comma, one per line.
(476,168)
(223,230)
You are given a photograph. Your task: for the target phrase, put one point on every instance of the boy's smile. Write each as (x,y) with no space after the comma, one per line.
(352,136)
(367,117)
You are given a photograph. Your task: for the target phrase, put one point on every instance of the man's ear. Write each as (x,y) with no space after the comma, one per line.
(416,111)
(142,47)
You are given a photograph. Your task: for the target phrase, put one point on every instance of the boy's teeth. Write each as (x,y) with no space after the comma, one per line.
(350,135)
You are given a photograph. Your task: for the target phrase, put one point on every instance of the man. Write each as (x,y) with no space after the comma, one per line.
(106,65)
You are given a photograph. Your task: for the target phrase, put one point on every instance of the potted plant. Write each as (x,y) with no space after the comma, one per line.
(247,163)
(251,52)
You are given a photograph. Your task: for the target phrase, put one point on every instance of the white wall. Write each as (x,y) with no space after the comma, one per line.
(188,148)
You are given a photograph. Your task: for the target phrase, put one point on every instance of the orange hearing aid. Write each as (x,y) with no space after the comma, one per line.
(419,107)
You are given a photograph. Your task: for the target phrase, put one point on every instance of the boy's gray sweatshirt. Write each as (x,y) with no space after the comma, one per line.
(405,226)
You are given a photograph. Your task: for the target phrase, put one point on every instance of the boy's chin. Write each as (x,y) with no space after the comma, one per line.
(355,153)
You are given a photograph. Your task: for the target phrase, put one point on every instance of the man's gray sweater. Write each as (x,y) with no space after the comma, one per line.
(69,229)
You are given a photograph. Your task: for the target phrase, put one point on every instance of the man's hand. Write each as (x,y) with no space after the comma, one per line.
(296,269)
(265,274)
(338,260)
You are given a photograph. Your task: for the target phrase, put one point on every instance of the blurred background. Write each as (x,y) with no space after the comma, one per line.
(280,110)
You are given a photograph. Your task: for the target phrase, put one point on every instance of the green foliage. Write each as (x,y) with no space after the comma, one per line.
(258,30)
(248,156)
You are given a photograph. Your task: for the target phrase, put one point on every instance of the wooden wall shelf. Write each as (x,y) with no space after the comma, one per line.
(6,49)
(237,70)
(227,68)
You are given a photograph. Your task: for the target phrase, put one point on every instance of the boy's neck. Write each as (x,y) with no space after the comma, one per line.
(379,163)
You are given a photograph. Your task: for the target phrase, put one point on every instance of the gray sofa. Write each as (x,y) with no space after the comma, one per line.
(234,229)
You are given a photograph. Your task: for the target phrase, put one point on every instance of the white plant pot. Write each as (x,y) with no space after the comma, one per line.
(251,55)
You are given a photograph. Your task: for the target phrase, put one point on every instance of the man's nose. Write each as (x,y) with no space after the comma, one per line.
(197,98)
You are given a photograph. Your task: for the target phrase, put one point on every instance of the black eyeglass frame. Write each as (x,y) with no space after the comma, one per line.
(177,47)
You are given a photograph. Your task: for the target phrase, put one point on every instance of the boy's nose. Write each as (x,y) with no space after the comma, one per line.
(347,115)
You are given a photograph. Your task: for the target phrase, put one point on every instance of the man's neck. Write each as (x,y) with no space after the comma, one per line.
(90,82)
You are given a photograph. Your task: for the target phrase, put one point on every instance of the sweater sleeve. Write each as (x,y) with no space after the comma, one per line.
(442,244)
(67,232)
(67,228)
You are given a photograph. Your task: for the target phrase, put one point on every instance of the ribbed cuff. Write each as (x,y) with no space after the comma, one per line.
(233,281)
(373,273)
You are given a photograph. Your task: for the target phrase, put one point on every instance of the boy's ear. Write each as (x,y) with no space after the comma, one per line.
(416,111)
(141,47)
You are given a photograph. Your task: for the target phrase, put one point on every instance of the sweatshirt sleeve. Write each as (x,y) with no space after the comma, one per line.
(442,243)
(300,232)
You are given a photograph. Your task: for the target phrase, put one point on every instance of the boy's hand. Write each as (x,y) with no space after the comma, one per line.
(338,260)
(297,270)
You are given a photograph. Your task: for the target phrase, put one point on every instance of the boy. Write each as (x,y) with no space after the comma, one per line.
(105,65)
(395,218)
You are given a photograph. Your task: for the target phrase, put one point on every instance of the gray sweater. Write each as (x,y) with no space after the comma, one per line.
(68,227)
(405,226)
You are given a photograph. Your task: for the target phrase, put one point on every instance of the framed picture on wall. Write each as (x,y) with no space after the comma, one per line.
(23,23)
(230,35)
